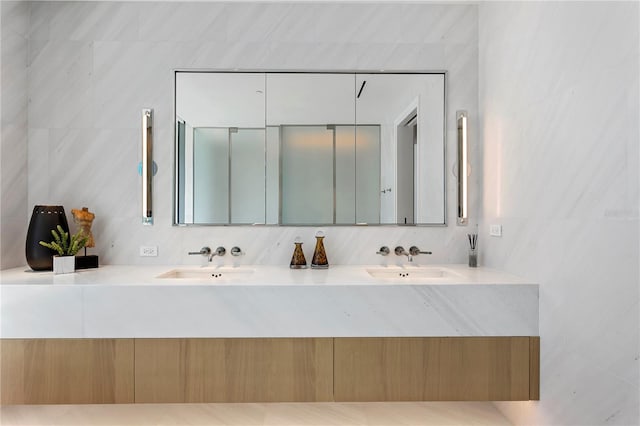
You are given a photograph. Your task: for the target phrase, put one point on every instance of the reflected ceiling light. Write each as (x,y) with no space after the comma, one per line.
(361,87)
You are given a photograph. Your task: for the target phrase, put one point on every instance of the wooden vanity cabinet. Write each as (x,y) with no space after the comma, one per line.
(98,371)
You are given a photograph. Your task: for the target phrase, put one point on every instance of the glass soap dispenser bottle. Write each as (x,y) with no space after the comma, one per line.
(298,260)
(319,260)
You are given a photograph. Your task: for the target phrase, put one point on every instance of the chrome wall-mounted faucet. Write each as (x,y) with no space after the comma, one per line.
(400,251)
(235,251)
(220,251)
(384,251)
(414,251)
(206,251)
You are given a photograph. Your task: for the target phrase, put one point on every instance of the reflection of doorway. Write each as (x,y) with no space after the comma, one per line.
(181,138)
(406,138)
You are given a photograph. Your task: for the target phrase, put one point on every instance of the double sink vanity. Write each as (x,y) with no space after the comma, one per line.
(284,148)
(123,334)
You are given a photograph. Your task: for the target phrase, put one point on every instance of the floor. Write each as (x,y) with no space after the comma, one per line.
(274,414)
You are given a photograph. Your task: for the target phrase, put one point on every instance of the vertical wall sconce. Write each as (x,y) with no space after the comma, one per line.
(463,167)
(147,166)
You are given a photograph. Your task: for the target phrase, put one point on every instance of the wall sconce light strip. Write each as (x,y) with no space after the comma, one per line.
(463,167)
(147,166)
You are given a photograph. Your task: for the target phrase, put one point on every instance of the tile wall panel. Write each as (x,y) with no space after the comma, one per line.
(94,65)
(13,137)
(559,98)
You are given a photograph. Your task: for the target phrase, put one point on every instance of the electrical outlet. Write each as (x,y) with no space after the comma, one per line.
(148,251)
(495,230)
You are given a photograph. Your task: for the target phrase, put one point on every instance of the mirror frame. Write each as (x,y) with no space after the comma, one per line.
(175,162)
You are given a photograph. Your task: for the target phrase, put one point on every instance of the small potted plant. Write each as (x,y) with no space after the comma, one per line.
(64,261)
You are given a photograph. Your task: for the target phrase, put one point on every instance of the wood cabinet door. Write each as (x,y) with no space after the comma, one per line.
(67,371)
(234,370)
(432,369)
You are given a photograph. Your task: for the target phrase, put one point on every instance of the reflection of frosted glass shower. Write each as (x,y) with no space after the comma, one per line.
(228,175)
(307,174)
(326,177)
(290,174)
(247,192)
(210,175)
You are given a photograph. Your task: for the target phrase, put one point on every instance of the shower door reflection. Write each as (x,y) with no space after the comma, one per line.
(228,176)
(327,177)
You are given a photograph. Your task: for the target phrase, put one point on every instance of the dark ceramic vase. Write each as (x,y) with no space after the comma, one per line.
(43,220)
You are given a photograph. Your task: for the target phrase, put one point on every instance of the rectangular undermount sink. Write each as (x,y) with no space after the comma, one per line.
(418,273)
(208,274)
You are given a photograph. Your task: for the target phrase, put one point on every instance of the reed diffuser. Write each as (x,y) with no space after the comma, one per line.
(473,251)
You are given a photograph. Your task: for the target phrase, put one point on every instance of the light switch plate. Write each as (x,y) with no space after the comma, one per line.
(495,230)
(148,251)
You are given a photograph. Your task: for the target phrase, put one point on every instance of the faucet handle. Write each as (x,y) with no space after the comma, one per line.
(384,251)
(220,251)
(399,251)
(204,251)
(235,251)
(414,251)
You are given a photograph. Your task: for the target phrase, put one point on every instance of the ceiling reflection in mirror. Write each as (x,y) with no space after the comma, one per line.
(304,148)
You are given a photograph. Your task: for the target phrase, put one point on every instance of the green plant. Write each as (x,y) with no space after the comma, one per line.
(64,245)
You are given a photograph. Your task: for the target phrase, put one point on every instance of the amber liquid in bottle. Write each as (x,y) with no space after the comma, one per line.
(298,260)
(319,260)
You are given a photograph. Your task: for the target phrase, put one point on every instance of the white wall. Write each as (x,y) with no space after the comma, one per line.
(93,66)
(13,139)
(559,100)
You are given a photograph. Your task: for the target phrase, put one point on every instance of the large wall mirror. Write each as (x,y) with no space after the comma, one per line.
(304,148)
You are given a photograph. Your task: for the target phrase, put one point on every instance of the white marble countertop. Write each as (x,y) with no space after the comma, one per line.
(260,275)
(267,301)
